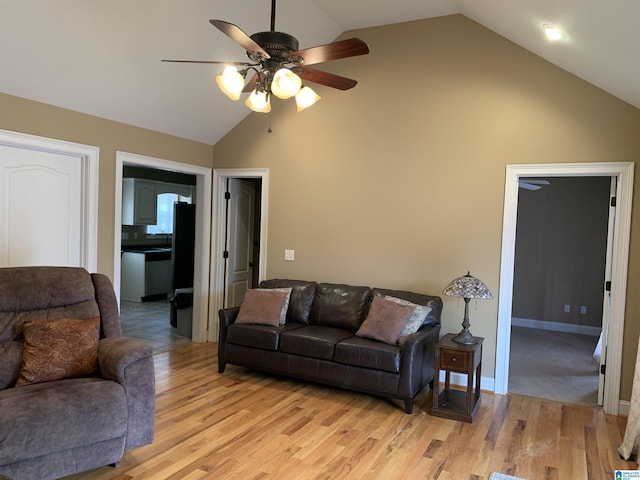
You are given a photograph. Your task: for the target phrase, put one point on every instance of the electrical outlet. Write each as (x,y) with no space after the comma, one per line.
(289,255)
(583,309)
(567,308)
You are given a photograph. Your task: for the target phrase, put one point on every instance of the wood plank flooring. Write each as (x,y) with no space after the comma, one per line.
(252,426)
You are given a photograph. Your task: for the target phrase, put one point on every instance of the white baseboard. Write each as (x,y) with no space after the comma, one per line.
(488,384)
(555,326)
(623,408)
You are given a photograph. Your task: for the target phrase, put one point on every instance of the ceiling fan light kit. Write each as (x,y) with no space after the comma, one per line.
(280,68)
(285,84)
(258,101)
(305,98)
(231,82)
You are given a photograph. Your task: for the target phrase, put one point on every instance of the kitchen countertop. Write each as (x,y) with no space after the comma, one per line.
(144,249)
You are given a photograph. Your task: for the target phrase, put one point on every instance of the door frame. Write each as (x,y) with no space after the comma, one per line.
(89,157)
(218,235)
(622,230)
(201,318)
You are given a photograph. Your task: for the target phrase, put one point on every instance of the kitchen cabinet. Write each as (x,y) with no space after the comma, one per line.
(145,274)
(139,202)
(140,199)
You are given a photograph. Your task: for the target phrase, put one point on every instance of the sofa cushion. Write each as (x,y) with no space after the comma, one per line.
(362,352)
(264,306)
(57,349)
(314,341)
(340,306)
(44,418)
(302,294)
(266,337)
(37,293)
(435,303)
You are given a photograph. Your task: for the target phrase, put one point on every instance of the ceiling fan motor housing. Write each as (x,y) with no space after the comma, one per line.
(275,43)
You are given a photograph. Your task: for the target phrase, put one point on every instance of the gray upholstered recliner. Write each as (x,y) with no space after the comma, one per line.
(55,428)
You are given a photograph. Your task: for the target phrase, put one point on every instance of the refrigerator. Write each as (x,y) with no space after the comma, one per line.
(182,253)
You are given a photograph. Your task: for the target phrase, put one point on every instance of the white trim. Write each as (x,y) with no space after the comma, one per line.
(624,172)
(556,326)
(201,265)
(89,156)
(624,407)
(218,235)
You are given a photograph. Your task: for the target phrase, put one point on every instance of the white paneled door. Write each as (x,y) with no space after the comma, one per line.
(241,211)
(41,208)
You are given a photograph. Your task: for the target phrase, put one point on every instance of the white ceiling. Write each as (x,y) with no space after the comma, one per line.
(103,57)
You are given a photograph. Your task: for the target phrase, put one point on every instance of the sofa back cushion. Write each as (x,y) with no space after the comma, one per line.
(435,303)
(38,293)
(338,305)
(301,299)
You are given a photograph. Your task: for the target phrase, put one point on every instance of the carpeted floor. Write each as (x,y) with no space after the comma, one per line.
(553,365)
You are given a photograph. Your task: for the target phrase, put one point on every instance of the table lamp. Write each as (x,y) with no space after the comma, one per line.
(467,287)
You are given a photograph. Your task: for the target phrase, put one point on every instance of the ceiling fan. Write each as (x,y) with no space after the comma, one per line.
(532,183)
(279,67)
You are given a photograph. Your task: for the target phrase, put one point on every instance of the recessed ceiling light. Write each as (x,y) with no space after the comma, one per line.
(552,33)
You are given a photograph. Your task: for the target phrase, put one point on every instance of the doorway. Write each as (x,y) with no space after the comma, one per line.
(49,185)
(259,178)
(560,266)
(242,246)
(623,172)
(200,321)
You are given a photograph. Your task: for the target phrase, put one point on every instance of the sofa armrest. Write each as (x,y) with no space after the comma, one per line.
(227,316)
(417,360)
(130,363)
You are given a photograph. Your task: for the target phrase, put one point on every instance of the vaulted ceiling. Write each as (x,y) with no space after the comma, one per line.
(103,57)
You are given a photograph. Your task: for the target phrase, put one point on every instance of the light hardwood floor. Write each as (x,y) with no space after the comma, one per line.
(248,425)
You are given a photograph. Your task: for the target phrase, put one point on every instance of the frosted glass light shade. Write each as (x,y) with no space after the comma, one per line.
(285,84)
(258,102)
(305,98)
(231,82)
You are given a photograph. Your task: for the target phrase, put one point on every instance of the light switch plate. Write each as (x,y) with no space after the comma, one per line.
(289,255)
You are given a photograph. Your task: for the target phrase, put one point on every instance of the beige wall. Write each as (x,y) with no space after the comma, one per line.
(400,182)
(20,115)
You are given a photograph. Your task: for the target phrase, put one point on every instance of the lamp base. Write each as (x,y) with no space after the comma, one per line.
(465,337)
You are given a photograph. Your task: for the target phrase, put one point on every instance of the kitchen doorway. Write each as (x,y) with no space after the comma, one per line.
(199,295)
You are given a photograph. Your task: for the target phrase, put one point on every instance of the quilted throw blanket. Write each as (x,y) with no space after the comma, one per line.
(632,432)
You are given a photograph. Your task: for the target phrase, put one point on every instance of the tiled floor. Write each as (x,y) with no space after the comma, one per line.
(149,322)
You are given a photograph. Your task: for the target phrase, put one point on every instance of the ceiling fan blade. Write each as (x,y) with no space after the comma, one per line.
(331,51)
(237,35)
(240,64)
(325,78)
(251,84)
(529,186)
(534,181)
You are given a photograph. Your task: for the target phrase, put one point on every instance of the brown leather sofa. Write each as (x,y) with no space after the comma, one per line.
(318,342)
(65,422)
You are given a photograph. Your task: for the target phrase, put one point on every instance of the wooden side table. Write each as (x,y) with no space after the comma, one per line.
(459,358)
